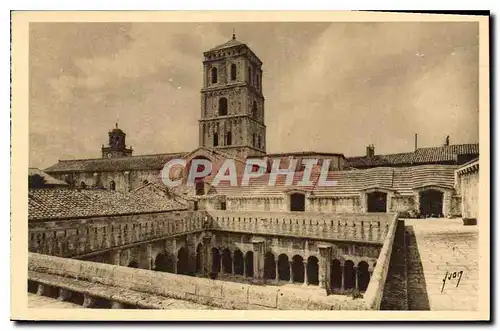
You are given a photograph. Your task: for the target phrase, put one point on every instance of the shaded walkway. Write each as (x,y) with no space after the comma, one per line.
(395,294)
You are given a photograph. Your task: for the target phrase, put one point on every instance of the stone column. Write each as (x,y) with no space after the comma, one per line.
(115,257)
(291,272)
(342,273)
(41,289)
(63,294)
(232,263)
(145,257)
(88,301)
(191,250)
(325,257)
(306,280)
(207,265)
(355,277)
(116,305)
(277,269)
(258,258)
(174,248)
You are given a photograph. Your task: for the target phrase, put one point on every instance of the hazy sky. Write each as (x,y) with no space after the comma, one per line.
(329,87)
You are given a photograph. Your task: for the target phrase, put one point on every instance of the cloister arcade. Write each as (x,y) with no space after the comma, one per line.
(225,264)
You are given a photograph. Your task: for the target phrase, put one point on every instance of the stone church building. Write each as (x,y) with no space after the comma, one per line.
(231,125)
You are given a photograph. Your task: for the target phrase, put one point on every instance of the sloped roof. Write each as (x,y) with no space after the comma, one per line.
(140,162)
(48,178)
(423,155)
(402,180)
(230,43)
(303,153)
(44,204)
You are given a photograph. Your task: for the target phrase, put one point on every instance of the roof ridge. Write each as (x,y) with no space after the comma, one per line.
(124,157)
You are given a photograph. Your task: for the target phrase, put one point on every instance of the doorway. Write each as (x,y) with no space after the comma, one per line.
(297,202)
(377,202)
(431,203)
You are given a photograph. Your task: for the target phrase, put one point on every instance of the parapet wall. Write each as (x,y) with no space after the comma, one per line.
(367,227)
(75,237)
(220,294)
(375,290)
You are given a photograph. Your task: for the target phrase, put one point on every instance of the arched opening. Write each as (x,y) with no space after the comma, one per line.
(363,276)
(269,266)
(229,138)
(199,182)
(83,185)
(164,262)
(199,259)
(133,264)
(233,71)
(254,109)
(313,270)
(297,202)
(222,107)
(283,267)
(431,203)
(298,269)
(214,75)
(199,186)
(377,202)
(259,145)
(349,275)
(216,139)
(32,286)
(253,139)
(227,262)
(76,298)
(101,303)
(238,262)
(112,185)
(215,260)
(249,264)
(182,261)
(335,275)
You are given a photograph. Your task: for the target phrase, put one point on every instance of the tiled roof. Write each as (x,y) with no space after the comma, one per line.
(303,153)
(44,204)
(230,43)
(141,162)
(48,178)
(426,155)
(402,180)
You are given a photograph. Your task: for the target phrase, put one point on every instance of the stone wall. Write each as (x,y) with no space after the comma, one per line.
(374,293)
(214,293)
(370,227)
(125,181)
(81,236)
(468,185)
(337,204)
(403,203)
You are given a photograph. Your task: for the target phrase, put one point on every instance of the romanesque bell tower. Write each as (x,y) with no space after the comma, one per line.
(116,146)
(232,104)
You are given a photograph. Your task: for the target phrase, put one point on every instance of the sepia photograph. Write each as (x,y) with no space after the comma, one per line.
(250,166)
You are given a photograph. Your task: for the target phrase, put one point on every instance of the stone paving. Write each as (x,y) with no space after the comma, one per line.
(38,301)
(439,247)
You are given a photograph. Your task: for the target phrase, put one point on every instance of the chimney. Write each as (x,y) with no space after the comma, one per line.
(416,145)
(370,150)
